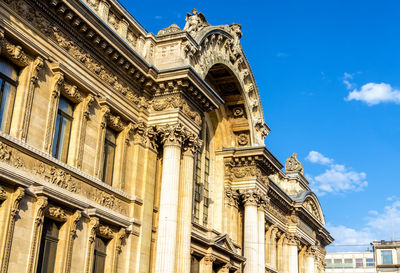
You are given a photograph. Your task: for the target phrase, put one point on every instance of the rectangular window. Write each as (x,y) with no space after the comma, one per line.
(48,246)
(370,262)
(110,145)
(206,177)
(100,254)
(359,263)
(197,188)
(8,87)
(62,131)
(386,257)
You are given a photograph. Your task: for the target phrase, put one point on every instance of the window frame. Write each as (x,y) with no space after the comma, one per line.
(63,115)
(99,253)
(14,83)
(105,155)
(385,255)
(43,260)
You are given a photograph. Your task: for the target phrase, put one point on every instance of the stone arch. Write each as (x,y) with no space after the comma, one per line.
(220,45)
(312,204)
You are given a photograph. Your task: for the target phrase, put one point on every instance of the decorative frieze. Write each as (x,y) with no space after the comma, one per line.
(37,20)
(176,102)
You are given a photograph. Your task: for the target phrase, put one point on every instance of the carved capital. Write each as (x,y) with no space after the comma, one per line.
(40,205)
(74,221)
(105,231)
(232,196)
(209,259)
(57,213)
(37,65)
(72,92)
(92,227)
(250,197)
(17,197)
(3,194)
(58,80)
(193,144)
(172,134)
(87,104)
(293,240)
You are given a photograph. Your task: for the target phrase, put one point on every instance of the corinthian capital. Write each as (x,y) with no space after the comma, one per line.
(192,144)
(251,196)
(172,134)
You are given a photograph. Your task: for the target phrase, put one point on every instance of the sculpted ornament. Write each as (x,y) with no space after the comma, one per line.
(169,30)
(57,213)
(172,134)
(250,196)
(3,194)
(232,196)
(195,22)
(293,165)
(10,156)
(106,232)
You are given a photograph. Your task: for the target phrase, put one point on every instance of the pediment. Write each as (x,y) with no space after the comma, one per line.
(225,242)
(313,208)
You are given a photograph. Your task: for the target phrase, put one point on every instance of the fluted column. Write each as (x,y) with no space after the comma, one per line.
(293,255)
(261,233)
(250,199)
(185,206)
(172,137)
(272,250)
(310,260)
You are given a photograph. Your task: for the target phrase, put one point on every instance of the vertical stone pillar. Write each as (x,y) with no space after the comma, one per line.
(285,255)
(172,137)
(310,260)
(250,199)
(268,243)
(293,255)
(261,235)
(272,250)
(185,206)
(206,265)
(279,253)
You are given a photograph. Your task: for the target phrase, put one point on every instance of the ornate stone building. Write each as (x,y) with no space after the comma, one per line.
(125,151)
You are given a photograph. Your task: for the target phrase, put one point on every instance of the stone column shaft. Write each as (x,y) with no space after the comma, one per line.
(185,214)
(251,237)
(310,264)
(293,259)
(261,239)
(272,250)
(168,217)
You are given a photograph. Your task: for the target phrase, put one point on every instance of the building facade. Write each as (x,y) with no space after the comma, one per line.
(125,151)
(387,256)
(350,262)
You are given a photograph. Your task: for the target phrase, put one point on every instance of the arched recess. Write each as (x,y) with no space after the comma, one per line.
(230,122)
(220,46)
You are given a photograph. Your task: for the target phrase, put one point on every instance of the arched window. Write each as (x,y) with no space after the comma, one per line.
(201,185)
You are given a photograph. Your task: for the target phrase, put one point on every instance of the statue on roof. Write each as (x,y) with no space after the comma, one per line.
(195,22)
(293,165)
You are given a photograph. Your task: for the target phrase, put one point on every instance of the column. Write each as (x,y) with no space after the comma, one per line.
(185,207)
(261,238)
(250,199)
(172,137)
(206,264)
(272,250)
(293,255)
(310,260)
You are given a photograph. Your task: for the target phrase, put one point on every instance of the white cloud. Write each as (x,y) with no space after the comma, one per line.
(347,80)
(317,157)
(375,93)
(336,178)
(379,225)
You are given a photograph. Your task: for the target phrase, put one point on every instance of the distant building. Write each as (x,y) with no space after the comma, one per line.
(350,262)
(386,254)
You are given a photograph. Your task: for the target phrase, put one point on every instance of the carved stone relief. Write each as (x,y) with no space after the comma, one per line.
(293,164)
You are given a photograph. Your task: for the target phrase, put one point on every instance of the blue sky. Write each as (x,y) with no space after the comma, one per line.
(328,75)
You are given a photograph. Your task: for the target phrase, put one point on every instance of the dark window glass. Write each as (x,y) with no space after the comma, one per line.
(109,155)
(206,177)
(8,86)
(48,246)
(62,131)
(100,254)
